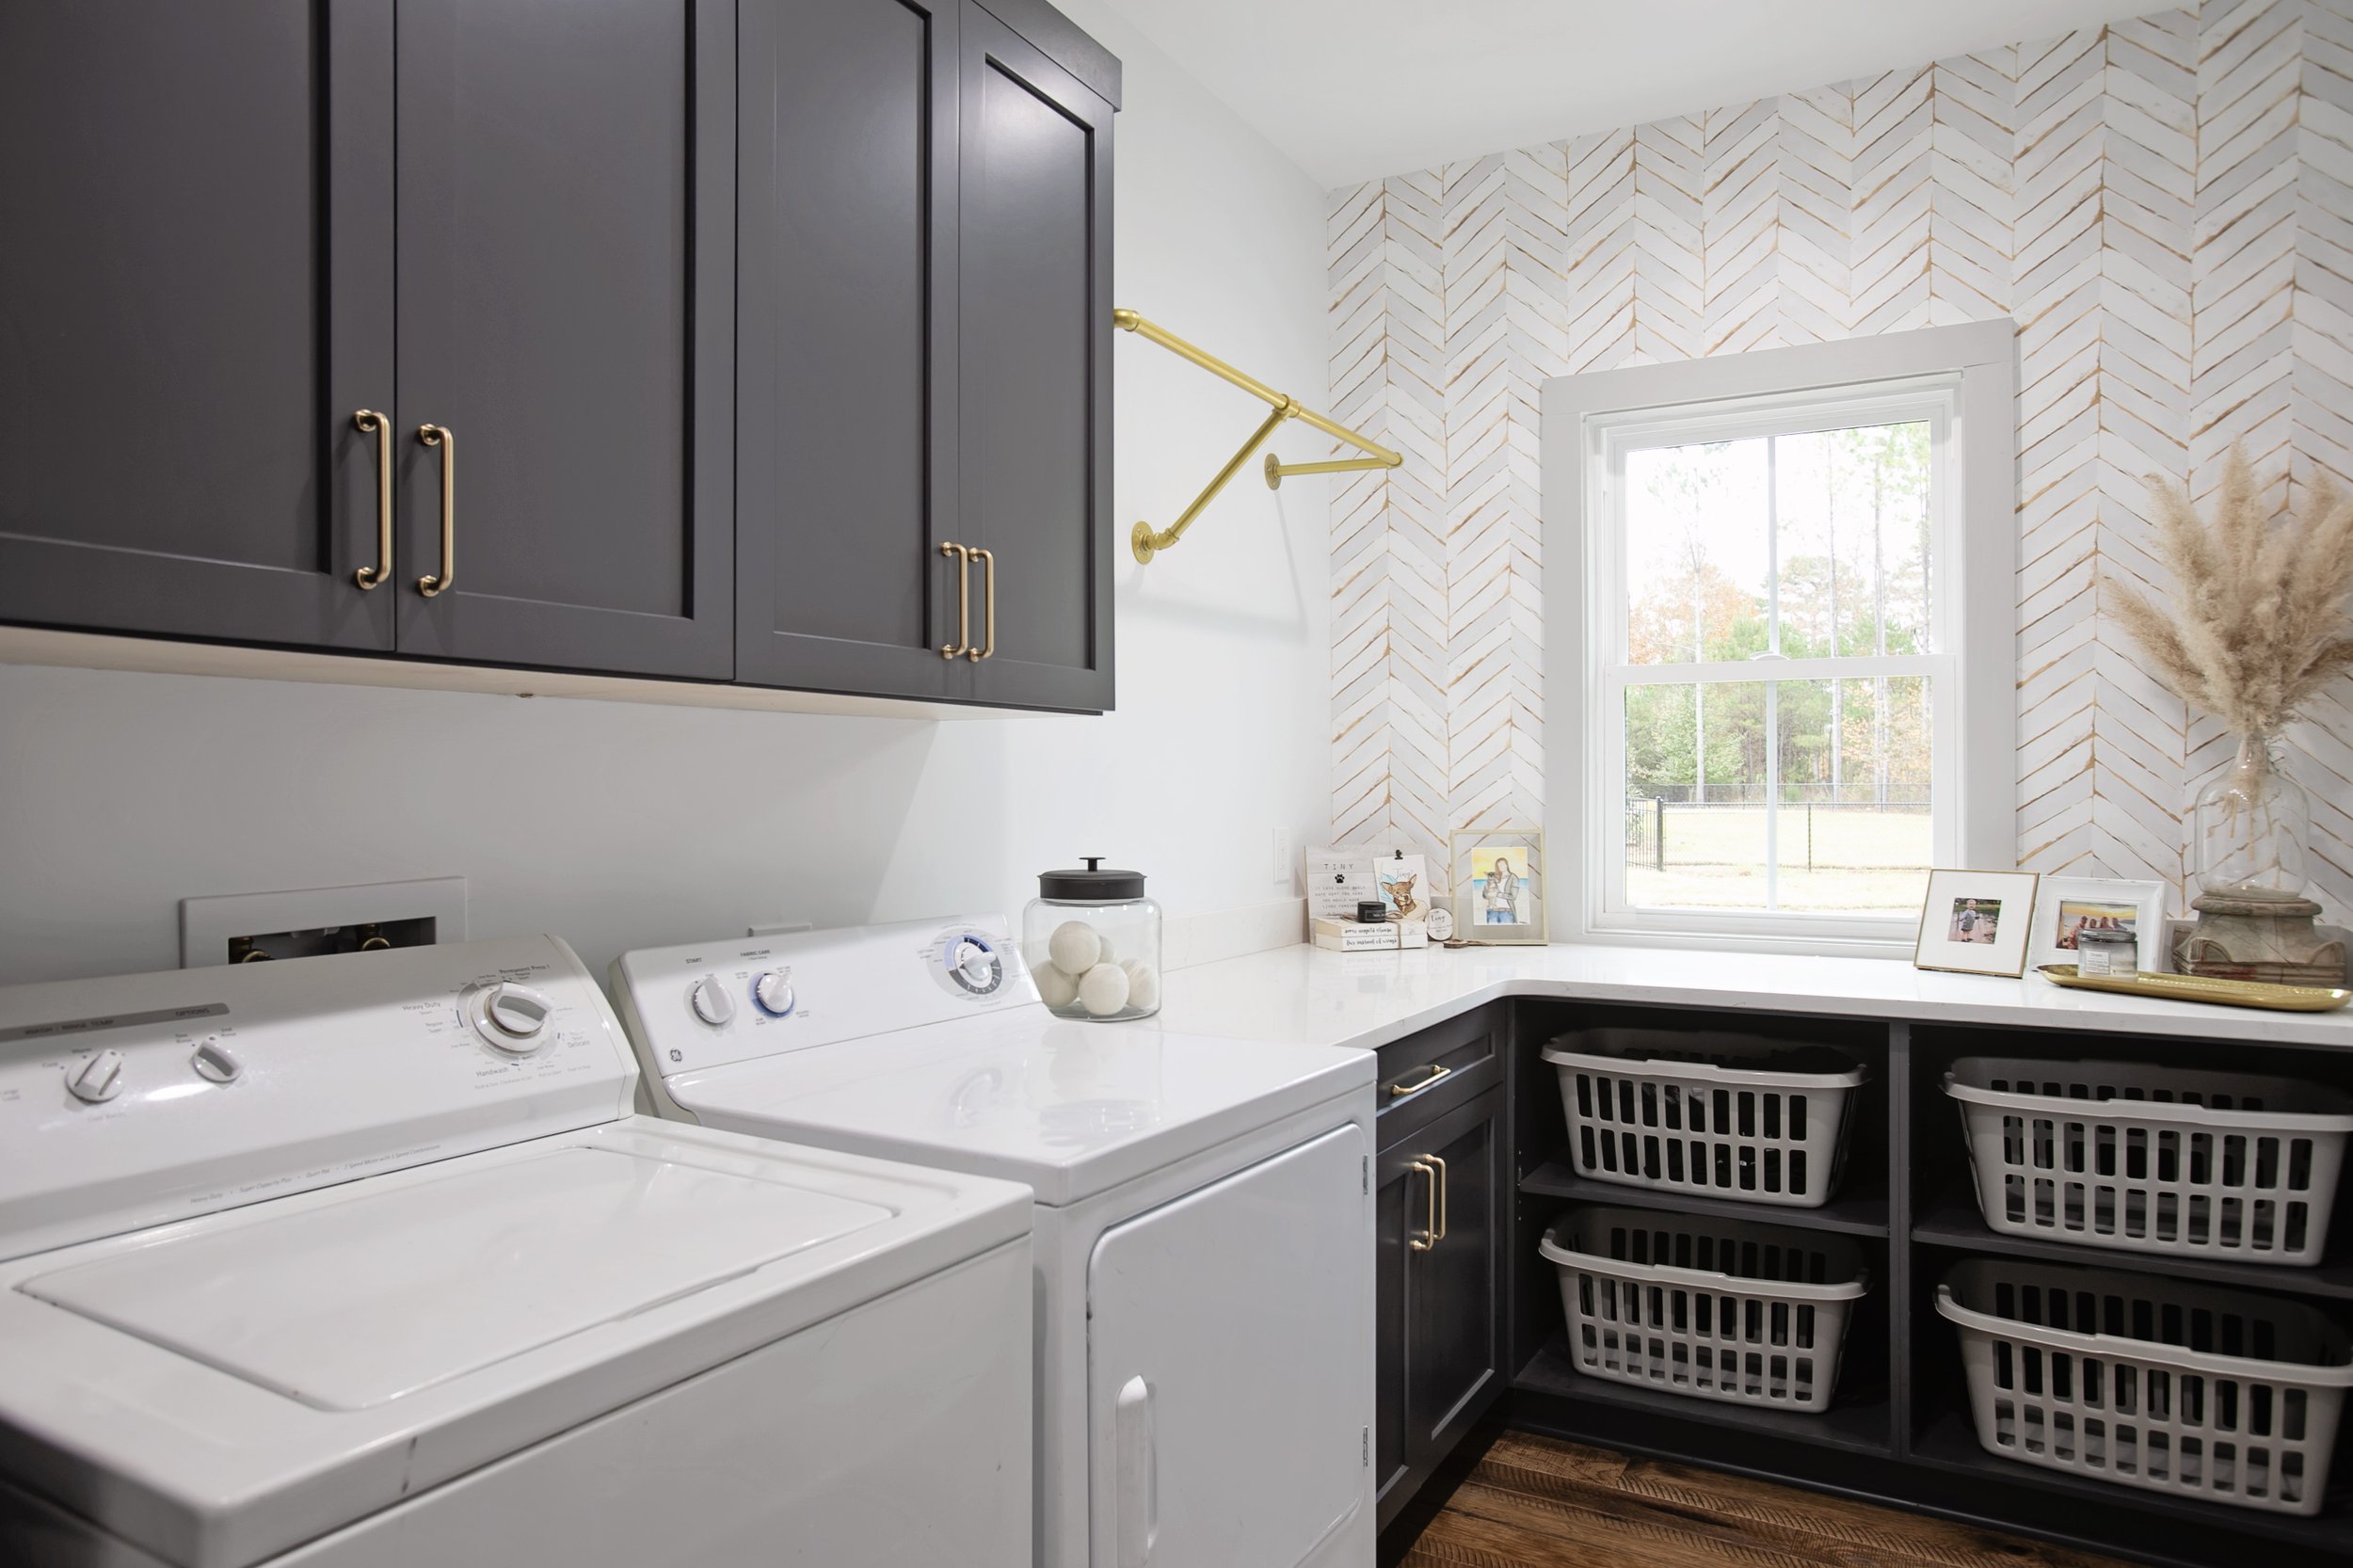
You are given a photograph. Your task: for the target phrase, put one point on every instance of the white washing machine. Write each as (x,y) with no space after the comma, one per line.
(363,1262)
(1203,1229)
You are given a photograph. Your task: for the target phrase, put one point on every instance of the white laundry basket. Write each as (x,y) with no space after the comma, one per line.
(2191,1389)
(1728,1115)
(2115,1153)
(1719,1309)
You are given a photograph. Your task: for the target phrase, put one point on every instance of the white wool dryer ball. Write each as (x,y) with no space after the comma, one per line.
(1104,989)
(1056,990)
(1143,983)
(1074,947)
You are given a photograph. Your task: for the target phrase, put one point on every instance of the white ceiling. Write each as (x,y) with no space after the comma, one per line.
(1353,90)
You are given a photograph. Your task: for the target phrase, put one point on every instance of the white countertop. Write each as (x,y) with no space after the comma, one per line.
(1366,1000)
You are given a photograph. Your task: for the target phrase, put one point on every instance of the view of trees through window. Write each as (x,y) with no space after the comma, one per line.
(1753,792)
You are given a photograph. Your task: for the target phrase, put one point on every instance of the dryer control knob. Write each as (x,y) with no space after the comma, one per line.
(98,1080)
(215,1063)
(710,1001)
(515,1015)
(977,964)
(773,992)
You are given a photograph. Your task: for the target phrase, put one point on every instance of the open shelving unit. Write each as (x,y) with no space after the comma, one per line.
(1900,1429)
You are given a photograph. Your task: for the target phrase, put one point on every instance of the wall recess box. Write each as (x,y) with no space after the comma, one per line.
(430,909)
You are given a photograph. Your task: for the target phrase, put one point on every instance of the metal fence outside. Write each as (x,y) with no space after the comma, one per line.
(1818,833)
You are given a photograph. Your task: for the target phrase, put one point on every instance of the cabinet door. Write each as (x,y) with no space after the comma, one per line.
(188,323)
(846,246)
(1455,1358)
(1403,1193)
(1033,237)
(567,313)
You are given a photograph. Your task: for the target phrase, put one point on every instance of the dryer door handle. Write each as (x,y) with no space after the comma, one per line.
(1135,1474)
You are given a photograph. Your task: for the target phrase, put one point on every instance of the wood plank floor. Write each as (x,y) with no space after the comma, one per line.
(1537,1502)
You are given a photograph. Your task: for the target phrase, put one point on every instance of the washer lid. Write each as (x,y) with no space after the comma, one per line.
(1070,1108)
(352,1304)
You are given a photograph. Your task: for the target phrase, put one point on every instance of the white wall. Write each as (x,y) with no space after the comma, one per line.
(617,826)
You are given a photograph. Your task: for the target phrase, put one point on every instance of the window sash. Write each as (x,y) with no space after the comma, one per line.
(1928,399)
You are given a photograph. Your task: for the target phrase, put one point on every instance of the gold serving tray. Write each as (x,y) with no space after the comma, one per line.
(2199,987)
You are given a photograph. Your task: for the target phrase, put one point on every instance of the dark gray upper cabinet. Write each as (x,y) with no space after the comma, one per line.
(188,323)
(705,344)
(566,214)
(1033,243)
(846,417)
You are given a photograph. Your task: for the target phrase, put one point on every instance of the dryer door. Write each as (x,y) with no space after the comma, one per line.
(1229,1367)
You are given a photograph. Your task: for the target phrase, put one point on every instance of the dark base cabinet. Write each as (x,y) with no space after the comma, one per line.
(1443,1176)
(1899,1430)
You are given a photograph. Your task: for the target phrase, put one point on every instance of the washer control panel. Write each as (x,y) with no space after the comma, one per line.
(713,1002)
(141,1099)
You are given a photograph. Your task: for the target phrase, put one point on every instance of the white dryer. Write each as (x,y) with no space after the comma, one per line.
(1203,1231)
(362,1262)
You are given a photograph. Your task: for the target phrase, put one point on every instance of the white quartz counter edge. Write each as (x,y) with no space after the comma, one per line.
(1366,1000)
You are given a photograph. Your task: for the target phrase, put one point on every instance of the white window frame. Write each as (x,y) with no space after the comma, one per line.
(1962,381)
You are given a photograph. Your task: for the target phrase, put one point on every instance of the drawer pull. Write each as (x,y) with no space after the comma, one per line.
(1429,1237)
(1407,1091)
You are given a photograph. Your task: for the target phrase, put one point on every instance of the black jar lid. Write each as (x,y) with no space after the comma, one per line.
(1094,885)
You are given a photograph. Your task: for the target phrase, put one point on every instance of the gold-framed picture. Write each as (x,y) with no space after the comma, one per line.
(1498,880)
(1977,922)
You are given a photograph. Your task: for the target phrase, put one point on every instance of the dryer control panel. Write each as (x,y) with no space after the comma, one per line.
(144,1099)
(714,1002)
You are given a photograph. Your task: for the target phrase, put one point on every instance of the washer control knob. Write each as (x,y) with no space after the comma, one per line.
(215,1063)
(515,1015)
(710,1001)
(773,992)
(98,1080)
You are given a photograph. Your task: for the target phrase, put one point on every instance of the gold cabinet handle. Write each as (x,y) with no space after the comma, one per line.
(441,581)
(964,600)
(1407,1091)
(368,421)
(988,622)
(1429,1237)
(1439,1235)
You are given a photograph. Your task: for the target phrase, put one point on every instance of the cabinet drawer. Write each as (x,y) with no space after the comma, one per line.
(1427,1074)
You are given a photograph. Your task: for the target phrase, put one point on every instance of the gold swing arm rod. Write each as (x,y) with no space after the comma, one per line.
(1146,540)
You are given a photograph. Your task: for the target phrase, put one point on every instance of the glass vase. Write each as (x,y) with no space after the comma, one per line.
(2250,826)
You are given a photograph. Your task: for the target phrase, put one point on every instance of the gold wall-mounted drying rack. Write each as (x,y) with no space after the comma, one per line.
(1147,541)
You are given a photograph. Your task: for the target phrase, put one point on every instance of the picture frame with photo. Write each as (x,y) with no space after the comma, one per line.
(1977,922)
(1498,882)
(2064,905)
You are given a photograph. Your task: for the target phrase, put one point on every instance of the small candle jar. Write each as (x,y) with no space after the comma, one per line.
(2107,950)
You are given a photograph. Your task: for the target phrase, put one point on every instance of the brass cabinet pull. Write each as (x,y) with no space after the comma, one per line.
(1407,1091)
(441,581)
(368,421)
(1429,1237)
(1440,1233)
(964,600)
(988,623)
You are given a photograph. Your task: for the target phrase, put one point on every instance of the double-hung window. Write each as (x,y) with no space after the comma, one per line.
(1780,635)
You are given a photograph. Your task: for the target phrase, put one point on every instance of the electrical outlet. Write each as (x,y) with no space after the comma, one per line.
(243,928)
(1283,857)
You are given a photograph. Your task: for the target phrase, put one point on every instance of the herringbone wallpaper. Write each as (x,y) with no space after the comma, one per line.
(2164,206)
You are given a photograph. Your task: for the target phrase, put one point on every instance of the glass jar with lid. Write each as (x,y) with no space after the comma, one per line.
(1092,943)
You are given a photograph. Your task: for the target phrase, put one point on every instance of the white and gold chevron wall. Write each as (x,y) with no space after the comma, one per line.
(2165,207)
